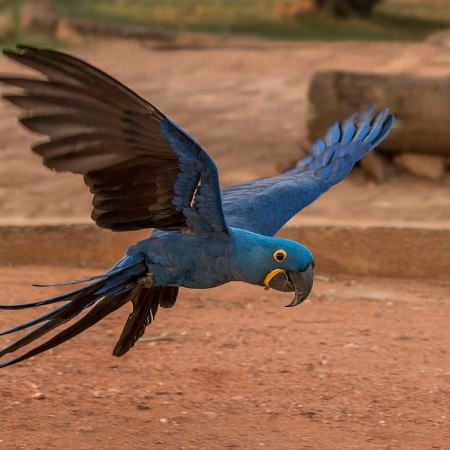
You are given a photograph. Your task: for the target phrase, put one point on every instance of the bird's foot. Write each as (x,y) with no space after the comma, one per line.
(146,281)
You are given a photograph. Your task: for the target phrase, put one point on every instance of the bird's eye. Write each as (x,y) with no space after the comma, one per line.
(279,255)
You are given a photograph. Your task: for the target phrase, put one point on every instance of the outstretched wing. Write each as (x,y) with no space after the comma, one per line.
(265,205)
(143,170)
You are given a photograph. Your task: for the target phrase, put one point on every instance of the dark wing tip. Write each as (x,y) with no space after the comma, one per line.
(94,103)
(19,51)
(388,125)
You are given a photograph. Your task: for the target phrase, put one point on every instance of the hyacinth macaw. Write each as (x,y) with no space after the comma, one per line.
(146,172)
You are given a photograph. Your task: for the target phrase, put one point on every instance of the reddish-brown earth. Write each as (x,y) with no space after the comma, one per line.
(363,365)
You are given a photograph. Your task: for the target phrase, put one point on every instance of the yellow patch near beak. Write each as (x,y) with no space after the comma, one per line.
(270,275)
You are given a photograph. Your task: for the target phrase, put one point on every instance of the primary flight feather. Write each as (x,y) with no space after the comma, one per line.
(146,172)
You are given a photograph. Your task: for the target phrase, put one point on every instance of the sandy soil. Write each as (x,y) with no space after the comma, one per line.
(364,364)
(248,108)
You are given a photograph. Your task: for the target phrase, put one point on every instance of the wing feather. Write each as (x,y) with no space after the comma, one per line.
(265,205)
(142,169)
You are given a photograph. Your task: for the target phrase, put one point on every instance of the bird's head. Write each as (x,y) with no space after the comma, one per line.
(276,263)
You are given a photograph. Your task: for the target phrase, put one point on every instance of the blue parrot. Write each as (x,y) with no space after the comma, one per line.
(146,172)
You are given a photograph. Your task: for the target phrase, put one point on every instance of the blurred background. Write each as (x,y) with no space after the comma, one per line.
(364,363)
(279,19)
(256,82)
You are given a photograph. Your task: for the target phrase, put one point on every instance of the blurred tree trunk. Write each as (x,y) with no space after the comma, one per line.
(347,8)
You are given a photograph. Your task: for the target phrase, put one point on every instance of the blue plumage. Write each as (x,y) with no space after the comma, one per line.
(198,174)
(146,172)
(265,205)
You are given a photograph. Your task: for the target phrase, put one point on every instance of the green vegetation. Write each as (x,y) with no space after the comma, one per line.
(274,19)
(33,39)
(393,19)
(437,11)
(15,34)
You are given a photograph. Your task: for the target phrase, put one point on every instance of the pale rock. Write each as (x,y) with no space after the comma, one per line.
(38,396)
(67,33)
(351,346)
(429,166)
(440,39)
(377,166)
(322,278)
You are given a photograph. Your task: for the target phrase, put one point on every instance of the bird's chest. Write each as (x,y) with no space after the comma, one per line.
(188,261)
(198,270)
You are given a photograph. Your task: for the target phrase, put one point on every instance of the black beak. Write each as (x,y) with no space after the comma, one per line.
(300,282)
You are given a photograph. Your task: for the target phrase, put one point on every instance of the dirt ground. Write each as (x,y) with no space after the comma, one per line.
(363,364)
(247,107)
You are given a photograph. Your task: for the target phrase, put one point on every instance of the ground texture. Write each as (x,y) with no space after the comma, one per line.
(364,364)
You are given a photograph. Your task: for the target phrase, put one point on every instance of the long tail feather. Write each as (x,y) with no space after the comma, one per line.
(68,283)
(55,318)
(105,307)
(72,295)
(121,267)
(66,310)
(107,293)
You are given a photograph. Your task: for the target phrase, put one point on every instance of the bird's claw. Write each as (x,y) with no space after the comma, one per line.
(147,281)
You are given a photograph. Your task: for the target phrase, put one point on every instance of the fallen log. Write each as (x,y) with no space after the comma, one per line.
(421,106)
(40,16)
(126,31)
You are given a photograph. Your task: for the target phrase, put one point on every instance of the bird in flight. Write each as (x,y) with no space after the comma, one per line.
(145,172)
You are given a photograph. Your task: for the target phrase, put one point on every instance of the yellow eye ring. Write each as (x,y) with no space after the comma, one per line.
(279,255)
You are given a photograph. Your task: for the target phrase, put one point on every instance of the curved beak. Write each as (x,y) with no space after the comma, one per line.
(300,282)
